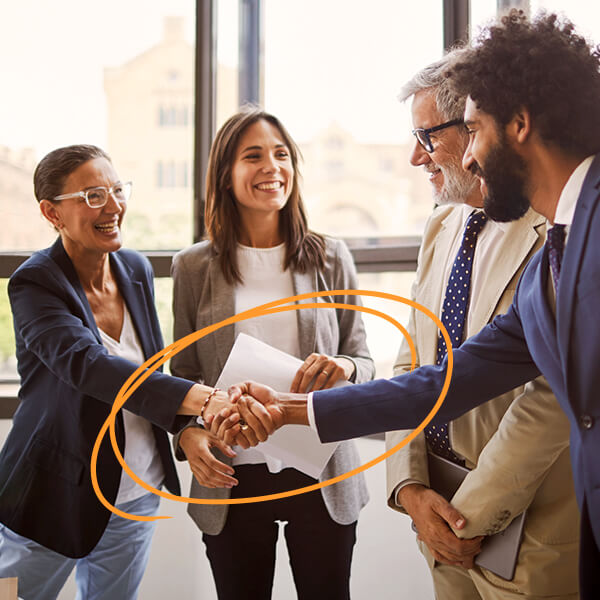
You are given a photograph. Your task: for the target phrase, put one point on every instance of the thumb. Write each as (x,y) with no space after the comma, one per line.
(235,391)
(451,515)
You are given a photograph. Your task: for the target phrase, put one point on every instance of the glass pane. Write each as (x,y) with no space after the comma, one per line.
(481,12)
(383,338)
(91,73)
(227,59)
(333,71)
(8,363)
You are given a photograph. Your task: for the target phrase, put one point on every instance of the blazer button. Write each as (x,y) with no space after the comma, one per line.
(586,421)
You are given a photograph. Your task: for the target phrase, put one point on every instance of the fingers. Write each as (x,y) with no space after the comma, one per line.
(235,391)
(256,417)
(226,427)
(252,428)
(433,515)
(451,515)
(207,469)
(320,370)
(212,478)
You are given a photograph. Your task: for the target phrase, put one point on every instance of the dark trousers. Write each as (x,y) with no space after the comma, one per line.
(589,559)
(242,556)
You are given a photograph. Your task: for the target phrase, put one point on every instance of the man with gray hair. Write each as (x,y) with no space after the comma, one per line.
(515,445)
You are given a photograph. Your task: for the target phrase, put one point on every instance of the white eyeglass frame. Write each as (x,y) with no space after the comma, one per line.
(109,191)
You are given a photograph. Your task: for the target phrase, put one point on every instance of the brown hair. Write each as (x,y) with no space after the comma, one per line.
(52,171)
(304,249)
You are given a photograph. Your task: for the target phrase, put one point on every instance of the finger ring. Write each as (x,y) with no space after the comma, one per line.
(243,425)
(324,372)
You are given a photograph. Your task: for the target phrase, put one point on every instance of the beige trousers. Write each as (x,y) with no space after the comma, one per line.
(456,583)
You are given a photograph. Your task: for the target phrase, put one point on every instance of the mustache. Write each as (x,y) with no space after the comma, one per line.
(475,169)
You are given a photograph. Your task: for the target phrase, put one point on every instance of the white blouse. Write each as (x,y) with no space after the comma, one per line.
(265,280)
(141,454)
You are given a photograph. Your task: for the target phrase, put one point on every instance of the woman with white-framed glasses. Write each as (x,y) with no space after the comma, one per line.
(84,320)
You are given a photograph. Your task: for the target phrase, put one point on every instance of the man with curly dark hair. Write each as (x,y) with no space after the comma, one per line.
(533,116)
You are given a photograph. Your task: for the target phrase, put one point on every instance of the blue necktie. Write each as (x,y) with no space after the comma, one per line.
(454,312)
(556,246)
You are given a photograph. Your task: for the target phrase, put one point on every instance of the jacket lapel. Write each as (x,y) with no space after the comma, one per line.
(572,258)
(517,242)
(433,291)
(222,297)
(305,283)
(133,293)
(61,258)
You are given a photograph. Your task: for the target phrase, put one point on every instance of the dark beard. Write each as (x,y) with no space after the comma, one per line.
(505,174)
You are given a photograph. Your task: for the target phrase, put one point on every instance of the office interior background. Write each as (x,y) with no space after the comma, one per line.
(151,81)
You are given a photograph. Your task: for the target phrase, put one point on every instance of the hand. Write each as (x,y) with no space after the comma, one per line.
(433,517)
(324,370)
(265,396)
(207,469)
(247,423)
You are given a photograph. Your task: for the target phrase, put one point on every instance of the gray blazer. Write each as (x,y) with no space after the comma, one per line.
(201,296)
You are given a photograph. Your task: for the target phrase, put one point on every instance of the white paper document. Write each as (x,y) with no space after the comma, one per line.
(298,446)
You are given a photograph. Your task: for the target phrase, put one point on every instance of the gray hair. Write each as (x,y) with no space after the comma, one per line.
(434,77)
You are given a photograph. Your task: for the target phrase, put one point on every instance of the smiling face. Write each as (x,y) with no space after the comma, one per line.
(450,182)
(86,230)
(262,174)
(503,174)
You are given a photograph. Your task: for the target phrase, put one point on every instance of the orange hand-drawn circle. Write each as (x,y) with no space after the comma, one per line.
(154,362)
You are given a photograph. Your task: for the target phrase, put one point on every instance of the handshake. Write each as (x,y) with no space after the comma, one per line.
(245,415)
(250,412)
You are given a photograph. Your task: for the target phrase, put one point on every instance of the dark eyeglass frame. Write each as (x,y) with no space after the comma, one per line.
(422,135)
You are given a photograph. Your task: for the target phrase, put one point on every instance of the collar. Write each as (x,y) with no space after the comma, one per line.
(565,209)
(468,209)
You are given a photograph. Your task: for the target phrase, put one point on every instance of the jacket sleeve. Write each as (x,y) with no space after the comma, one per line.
(490,363)
(47,326)
(410,461)
(530,438)
(353,338)
(185,363)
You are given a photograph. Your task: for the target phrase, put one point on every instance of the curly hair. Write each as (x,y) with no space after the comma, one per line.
(543,66)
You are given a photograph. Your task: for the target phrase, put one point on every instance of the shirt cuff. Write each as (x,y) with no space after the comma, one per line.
(400,486)
(310,411)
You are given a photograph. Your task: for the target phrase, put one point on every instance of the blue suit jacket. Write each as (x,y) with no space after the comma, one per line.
(513,349)
(68,385)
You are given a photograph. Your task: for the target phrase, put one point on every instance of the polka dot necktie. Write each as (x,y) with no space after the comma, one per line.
(454,312)
(556,246)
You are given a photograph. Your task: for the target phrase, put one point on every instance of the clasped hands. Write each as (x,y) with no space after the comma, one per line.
(436,521)
(248,413)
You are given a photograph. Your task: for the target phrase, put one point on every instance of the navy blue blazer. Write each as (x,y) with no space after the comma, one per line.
(512,350)
(68,385)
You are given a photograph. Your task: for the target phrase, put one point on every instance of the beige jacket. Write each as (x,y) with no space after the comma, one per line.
(516,444)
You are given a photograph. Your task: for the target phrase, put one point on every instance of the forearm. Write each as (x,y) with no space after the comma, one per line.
(294,408)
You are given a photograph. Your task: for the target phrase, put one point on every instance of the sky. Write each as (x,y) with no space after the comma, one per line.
(325,60)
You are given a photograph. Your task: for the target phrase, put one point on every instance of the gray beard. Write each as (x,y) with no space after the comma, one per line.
(458,186)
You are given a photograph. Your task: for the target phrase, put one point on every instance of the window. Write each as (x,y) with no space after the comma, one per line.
(81,75)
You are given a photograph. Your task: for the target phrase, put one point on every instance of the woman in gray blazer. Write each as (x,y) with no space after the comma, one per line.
(260,249)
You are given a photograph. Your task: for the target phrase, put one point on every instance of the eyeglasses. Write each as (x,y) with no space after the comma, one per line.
(422,135)
(97,197)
